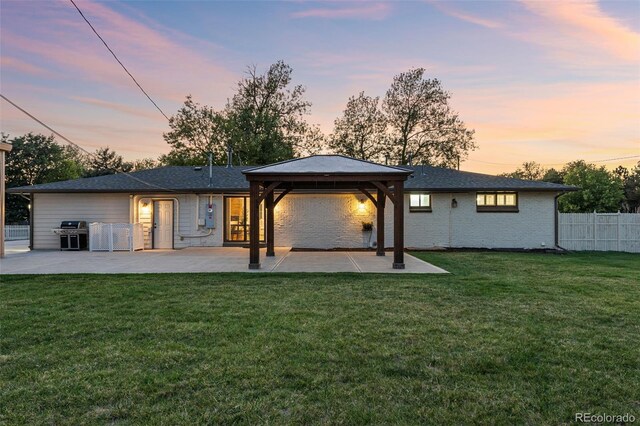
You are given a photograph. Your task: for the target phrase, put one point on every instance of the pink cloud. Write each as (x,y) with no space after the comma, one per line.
(8,62)
(450,10)
(374,11)
(584,23)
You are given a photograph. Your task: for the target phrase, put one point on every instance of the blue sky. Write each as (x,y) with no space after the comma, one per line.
(543,81)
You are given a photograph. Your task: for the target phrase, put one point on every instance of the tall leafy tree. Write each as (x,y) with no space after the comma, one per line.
(196,131)
(422,124)
(600,190)
(361,131)
(554,176)
(35,159)
(266,117)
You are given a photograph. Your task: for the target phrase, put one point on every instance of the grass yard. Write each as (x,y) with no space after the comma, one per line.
(506,338)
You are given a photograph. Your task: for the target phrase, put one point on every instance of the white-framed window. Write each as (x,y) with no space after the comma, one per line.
(420,202)
(497,201)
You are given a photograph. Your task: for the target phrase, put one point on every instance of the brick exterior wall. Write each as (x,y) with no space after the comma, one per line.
(325,220)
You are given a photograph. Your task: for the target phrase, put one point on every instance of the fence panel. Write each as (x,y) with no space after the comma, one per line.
(599,231)
(115,236)
(16,232)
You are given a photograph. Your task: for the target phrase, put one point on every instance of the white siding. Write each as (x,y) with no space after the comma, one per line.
(51,209)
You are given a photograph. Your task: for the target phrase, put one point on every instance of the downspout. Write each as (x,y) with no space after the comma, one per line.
(31,217)
(555,221)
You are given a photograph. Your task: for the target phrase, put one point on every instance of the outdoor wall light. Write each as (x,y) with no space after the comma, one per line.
(362,207)
(454,203)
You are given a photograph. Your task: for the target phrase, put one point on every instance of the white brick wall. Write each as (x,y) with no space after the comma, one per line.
(326,220)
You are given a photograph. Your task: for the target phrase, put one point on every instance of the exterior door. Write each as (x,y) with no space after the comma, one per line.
(163,224)
(237,224)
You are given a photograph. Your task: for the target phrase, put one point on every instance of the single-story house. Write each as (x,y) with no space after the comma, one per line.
(324,208)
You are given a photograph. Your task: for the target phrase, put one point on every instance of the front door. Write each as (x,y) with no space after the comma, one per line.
(163,224)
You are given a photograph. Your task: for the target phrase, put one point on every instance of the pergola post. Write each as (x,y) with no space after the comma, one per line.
(398,224)
(254,220)
(269,222)
(380,223)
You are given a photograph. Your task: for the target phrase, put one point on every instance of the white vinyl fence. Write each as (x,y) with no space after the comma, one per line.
(115,236)
(599,231)
(16,232)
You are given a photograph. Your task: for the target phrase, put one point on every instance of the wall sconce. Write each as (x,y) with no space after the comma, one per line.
(146,208)
(454,203)
(362,207)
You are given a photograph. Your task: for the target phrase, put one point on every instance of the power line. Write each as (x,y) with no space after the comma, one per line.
(557,164)
(69,141)
(119,61)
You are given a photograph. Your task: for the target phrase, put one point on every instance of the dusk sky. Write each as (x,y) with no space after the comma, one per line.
(545,81)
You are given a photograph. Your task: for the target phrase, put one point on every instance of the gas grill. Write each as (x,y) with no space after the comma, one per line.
(73,235)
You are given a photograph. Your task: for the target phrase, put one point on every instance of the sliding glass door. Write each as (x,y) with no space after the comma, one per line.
(237,222)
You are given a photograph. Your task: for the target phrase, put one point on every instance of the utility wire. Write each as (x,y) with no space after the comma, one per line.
(557,164)
(69,141)
(119,61)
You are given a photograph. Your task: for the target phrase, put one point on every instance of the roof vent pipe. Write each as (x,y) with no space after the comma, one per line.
(229,156)
(210,170)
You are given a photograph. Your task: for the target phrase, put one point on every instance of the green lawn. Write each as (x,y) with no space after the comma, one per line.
(505,338)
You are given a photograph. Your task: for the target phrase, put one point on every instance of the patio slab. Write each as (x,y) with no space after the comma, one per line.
(200,259)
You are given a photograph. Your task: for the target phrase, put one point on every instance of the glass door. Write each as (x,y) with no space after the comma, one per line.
(237,222)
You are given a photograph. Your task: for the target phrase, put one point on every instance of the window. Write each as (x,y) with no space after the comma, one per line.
(497,202)
(420,202)
(237,224)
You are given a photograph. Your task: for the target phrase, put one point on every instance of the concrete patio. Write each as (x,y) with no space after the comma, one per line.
(19,260)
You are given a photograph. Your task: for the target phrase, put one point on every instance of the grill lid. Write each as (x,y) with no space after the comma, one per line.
(73,224)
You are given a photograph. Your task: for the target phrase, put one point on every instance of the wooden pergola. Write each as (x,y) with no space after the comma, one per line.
(326,173)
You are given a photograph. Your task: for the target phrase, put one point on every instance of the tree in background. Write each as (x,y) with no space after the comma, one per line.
(35,159)
(196,131)
(554,176)
(144,164)
(263,123)
(105,161)
(600,190)
(266,118)
(529,171)
(361,131)
(631,186)
(421,123)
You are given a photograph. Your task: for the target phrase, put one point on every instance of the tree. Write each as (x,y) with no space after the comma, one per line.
(422,124)
(266,117)
(361,131)
(35,159)
(196,131)
(631,186)
(600,190)
(554,176)
(144,164)
(106,162)
(529,171)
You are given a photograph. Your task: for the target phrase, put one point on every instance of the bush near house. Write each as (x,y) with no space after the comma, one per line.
(506,338)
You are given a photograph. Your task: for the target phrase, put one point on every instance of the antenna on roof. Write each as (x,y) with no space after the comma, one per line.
(229,156)
(210,170)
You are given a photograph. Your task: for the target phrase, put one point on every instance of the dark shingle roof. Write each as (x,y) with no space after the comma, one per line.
(441,179)
(190,179)
(325,164)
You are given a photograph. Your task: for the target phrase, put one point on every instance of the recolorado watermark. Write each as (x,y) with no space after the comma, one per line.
(605,418)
